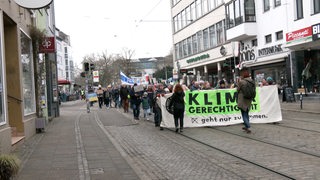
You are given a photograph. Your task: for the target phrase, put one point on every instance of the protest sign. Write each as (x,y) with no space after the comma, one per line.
(219,108)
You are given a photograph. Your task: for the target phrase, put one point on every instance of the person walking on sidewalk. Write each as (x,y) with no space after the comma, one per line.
(244,103)
(177,102)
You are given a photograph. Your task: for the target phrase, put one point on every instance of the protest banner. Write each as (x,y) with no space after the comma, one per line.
(219,108)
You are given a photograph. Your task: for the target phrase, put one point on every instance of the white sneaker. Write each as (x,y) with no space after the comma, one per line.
(148,119)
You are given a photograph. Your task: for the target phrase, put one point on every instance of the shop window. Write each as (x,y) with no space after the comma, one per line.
(27,77)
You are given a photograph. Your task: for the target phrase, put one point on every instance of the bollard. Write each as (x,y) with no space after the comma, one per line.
(301,100)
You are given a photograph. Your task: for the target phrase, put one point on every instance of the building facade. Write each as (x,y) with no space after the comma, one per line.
(200,40)
(273,38)
(18,67)
(65,64)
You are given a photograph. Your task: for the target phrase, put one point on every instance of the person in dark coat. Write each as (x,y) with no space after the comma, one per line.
(124,92)
(244,104)
(178,105)
(135,98)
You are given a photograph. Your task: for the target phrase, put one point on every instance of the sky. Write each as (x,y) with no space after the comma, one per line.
(98,26)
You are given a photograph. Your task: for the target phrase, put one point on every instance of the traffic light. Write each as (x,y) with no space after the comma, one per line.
(91,66)
(86,66)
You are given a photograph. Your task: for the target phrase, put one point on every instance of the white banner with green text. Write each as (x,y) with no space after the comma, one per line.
(219,108)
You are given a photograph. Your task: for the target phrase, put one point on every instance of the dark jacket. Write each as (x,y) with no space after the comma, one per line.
(177,101)
(124,92)
(243,103)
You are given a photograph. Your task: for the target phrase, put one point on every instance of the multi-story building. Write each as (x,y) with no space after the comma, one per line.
(65,65)
(276,38)
(200,41)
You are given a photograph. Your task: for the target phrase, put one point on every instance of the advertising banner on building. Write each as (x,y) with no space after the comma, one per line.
(219,108)
(47,45)
(316,32)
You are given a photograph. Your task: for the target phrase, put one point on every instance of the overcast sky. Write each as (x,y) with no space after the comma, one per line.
(97,26)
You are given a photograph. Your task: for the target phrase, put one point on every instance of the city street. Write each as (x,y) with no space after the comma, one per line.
(109,144)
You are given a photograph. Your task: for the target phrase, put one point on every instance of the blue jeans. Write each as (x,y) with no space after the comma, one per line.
(245,118)
(136,110)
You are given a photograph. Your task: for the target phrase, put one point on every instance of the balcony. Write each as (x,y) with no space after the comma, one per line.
(242,31)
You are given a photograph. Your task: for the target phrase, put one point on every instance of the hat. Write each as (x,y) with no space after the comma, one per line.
(221,82)
(99,86)
(145,94)
(269,79)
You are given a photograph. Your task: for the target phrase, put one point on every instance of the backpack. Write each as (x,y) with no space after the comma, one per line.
(168,101)
(249,90)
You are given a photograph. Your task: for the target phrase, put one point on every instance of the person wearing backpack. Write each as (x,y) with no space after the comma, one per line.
(246,93)
(178,105)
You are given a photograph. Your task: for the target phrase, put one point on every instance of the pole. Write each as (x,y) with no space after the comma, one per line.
(301,100)
(87,94)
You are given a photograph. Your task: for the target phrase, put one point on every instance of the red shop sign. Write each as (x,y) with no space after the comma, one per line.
(47,45)
(299,34)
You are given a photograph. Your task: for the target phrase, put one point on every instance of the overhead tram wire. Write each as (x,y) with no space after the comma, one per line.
(152,9)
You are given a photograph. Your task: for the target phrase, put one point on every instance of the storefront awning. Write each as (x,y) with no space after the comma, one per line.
(63,81)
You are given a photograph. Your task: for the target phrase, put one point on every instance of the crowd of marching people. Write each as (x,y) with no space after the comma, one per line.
(143,99)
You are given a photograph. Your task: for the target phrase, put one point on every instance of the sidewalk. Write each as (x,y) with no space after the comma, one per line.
(307,106)
(72,147)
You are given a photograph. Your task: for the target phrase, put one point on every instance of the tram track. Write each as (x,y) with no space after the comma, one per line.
(236,156)
(271,143)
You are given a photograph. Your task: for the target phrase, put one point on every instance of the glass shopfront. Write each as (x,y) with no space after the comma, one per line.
(306,68)
(27,77)
(276,71)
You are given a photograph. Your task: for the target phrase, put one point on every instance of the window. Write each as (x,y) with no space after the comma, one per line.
(220,33)
(316,6)
(189,46)
(175,22)
(176,49)
(277,3)
(27,71)
(249,11)
(199,9)
(185,48)
(254,43)
(200,43)
(268,38)
(188,15)
(279,35)
(205,6)
(183,19)
(213,37)
(206,39)
(230,15)
(237,13)
(299,9)
(266,5)
(193,12)
(180,50)
(194,44)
